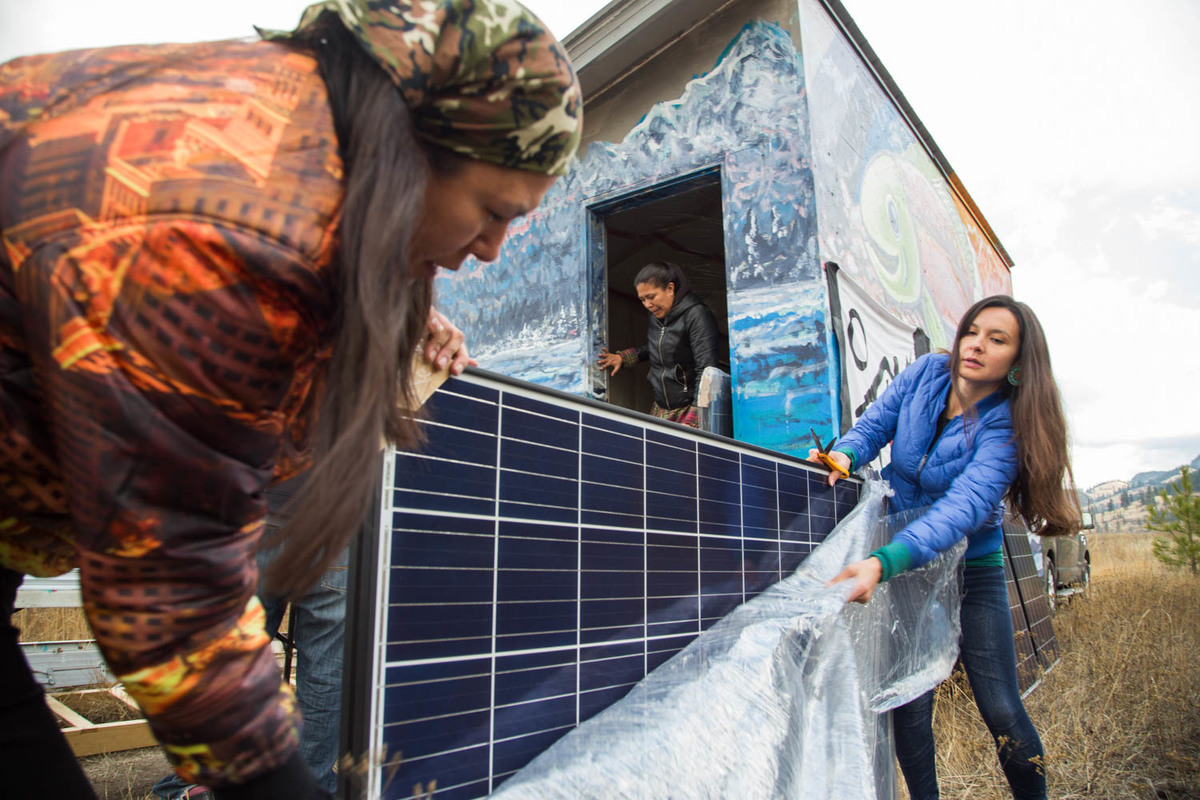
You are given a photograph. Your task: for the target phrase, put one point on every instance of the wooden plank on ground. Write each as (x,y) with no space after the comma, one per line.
(88,738)
(110,737)
(67,715)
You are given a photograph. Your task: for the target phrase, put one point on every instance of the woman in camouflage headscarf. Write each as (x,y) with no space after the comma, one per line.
(202,246)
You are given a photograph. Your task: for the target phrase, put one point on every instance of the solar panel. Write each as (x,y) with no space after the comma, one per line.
(1033,630)
(1032,591)
(1028,667)
(538,558)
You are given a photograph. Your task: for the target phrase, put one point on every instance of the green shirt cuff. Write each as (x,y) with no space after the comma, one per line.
(849,454)
(894,557)
(995,559)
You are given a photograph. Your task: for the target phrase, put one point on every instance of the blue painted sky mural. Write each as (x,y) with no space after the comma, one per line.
(534,314)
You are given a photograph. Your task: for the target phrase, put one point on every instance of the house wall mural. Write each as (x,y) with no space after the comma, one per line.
(747,117)
(815,164)
(886,214)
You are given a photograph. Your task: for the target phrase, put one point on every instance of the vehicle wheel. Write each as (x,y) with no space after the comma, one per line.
(1051,577)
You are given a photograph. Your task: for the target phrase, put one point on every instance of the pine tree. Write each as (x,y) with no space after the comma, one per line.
(1180,518)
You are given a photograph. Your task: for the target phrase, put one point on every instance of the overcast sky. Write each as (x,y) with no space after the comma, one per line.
(1074,124)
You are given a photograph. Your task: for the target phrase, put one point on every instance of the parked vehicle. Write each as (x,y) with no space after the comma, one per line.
(1064,562)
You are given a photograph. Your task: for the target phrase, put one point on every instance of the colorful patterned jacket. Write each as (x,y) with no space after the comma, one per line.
(167,216)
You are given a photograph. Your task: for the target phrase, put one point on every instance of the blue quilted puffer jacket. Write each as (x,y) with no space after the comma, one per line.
(962,476)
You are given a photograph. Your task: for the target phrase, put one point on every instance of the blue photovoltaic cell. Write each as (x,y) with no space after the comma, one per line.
(543,555)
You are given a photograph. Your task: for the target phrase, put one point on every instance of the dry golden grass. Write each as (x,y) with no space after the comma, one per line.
(1119,715)
(51,624)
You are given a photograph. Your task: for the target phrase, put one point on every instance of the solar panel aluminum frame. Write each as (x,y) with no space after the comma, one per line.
(363,694)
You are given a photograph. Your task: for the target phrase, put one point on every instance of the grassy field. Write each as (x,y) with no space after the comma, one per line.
(1119,715)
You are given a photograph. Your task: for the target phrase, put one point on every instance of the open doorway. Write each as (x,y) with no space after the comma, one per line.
(681,223)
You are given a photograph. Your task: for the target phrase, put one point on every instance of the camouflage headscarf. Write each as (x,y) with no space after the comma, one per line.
(483,78)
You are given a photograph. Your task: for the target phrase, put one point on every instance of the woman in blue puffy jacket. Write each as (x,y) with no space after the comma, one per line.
(969,430)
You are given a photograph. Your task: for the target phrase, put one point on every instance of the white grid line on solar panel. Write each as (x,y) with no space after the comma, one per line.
(578,653)
(485,669)
(507,389)
(408,761)
(428,457)
(435,422)
(536,668)
(426,493)
(569,450)
(563,728)
(688,473)
(670,532)
(531,701)
(488,570)
(441,791)
(503,517)
(597,526)
(490,706)
(599,482)
(641,427)
(502,569)
(529,651)
(515,471)
(496,488)
(425,512)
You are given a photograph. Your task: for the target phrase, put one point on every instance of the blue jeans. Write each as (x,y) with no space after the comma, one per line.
(319,635)
(990,662)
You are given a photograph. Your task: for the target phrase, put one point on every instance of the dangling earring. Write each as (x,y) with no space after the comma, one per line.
(1014,376)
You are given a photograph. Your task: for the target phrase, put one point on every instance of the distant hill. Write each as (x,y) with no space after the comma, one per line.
(1160,478)
(1121,505)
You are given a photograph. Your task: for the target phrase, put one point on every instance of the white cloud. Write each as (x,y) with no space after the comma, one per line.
(1122,354)
(1155,290)
(1167,219)
(1099,90)
(43,26)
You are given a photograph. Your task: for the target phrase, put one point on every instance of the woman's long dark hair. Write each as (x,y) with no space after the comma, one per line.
(382,308)
(1044,492)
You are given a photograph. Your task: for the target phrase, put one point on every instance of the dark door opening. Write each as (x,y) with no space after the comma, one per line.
(685,227)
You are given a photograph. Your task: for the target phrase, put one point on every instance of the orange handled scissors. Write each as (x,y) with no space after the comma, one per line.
(823,454)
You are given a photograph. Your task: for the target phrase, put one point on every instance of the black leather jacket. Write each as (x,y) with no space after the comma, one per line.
(679,347)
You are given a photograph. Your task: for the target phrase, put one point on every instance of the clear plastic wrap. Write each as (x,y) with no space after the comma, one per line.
(780,699)
(714,402)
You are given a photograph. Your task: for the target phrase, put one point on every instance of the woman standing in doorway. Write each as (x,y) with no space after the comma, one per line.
(969,430)
(682,341)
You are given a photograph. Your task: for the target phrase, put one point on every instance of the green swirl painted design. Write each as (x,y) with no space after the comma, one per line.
(484,78)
